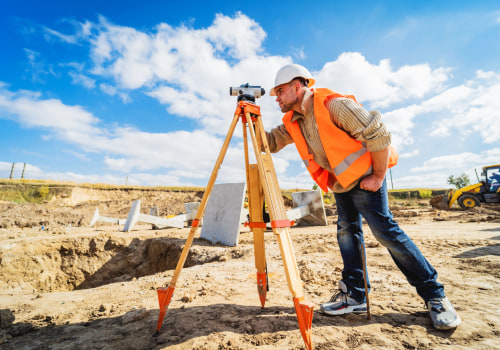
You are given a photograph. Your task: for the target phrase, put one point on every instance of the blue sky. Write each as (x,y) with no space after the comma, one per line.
(116,91)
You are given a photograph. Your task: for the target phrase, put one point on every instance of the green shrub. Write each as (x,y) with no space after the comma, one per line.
(42,192)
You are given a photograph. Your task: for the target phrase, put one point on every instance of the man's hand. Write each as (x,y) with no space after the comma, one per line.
(371,183)
(374,181)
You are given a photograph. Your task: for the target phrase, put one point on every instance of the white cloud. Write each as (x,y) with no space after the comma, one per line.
(400,123)
(435,171)
(191,59)
(433,180)
(66,122)
(113,91)
(50,34)
(82,79)
(472,107)
(78,155)
(189,70)
(37,68)
(409,154)
(242,36)
(174,150)
(380,84)
(455,162)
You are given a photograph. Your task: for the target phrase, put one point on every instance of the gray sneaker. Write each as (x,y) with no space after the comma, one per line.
(341,303)
(443,315)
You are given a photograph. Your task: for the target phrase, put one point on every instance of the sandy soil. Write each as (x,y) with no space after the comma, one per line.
(95,288)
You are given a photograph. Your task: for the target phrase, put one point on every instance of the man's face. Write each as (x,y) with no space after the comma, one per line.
(286,97)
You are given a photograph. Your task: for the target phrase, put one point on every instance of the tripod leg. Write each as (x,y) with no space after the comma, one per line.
(256,216)
(281,229)
(165,294)
(255,203)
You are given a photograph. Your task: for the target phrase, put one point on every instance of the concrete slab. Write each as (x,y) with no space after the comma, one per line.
(222,219)
(308,208)
(98,217)
(133,215)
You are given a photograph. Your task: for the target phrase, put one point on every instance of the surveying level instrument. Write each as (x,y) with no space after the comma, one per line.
(262,183)
(247,92)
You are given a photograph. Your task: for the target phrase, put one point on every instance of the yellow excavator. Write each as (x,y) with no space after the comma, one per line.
(487,190)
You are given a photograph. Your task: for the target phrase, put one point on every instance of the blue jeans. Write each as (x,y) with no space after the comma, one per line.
(374,207)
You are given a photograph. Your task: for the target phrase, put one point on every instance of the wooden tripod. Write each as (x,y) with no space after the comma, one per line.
(262,183)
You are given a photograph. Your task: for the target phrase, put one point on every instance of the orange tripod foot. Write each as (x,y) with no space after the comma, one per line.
(164,296)
(262,287)
(304,310)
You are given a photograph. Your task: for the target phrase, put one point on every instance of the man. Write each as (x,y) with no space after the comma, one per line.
(494,180)
(346,149)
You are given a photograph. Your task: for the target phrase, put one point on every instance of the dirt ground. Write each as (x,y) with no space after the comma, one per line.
(81,287)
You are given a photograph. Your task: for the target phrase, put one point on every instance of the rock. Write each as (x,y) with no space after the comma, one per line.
(6,318)
(104,308)
(187,298)
(135,315)
(307,274)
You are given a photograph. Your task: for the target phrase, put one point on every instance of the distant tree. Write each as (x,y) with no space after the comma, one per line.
(459,181)
(315,187)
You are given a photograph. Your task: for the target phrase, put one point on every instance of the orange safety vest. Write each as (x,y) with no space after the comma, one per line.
(349,159)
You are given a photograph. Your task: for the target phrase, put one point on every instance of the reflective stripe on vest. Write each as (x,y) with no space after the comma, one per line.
(351,158)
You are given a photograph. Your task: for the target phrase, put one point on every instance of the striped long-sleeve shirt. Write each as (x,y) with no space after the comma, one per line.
(348,115)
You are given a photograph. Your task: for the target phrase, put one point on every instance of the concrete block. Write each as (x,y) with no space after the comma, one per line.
(309,209)
(223,214)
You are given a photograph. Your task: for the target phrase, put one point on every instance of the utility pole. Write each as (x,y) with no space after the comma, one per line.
(24,169)
(12,170)
(390,172)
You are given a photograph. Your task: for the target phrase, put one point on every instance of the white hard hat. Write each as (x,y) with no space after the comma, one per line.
(288,73)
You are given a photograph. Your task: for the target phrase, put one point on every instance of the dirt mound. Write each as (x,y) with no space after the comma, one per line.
(438,202)
(88,262)
(488,208)
(487,212)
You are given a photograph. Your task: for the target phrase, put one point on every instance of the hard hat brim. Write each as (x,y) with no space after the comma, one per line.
(273,90)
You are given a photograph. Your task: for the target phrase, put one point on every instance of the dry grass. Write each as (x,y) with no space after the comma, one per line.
(100,186)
